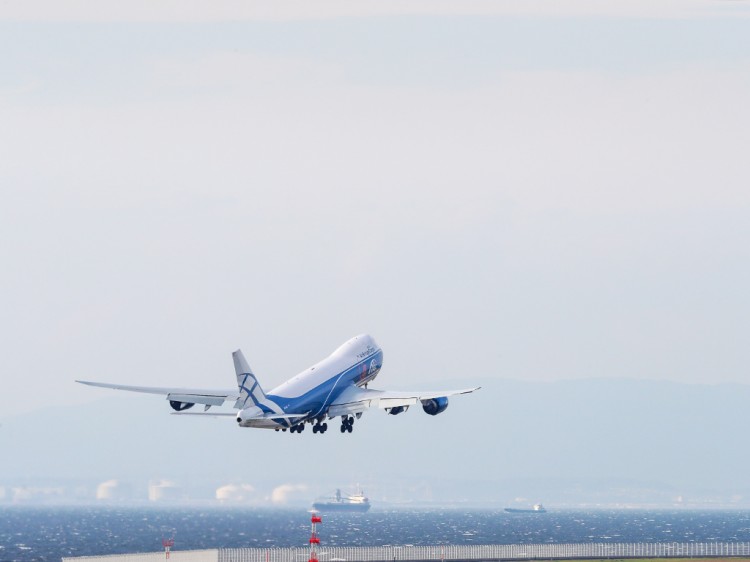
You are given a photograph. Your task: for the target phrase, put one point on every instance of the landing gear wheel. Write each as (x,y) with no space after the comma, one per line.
(347,424)
(324,428)
(316,428)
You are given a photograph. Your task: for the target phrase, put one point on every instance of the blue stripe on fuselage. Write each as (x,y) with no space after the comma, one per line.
(317,400)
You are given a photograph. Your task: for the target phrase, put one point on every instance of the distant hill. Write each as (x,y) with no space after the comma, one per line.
(583,441)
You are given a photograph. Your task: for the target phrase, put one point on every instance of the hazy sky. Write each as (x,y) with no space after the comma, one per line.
(525,190)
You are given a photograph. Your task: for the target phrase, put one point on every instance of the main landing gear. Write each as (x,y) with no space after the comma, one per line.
(300,427)
(347,424)
(319,426)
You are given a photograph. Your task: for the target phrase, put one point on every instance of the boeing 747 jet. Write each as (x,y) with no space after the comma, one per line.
(334,387)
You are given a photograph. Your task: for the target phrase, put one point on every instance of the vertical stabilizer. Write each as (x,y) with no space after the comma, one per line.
(251,394)
(240,364)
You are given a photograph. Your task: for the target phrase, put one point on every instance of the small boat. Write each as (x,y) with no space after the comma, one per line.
(538,508)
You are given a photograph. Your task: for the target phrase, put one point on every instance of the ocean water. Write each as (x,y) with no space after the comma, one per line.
(30,534)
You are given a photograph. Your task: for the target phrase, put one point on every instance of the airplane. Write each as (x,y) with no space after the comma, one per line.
(333,387)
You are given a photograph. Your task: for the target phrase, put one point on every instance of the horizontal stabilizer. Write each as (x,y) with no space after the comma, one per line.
(272,416)
(206,414)
(206,399)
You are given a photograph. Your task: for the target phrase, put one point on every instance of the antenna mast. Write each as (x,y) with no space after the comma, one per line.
(314,540)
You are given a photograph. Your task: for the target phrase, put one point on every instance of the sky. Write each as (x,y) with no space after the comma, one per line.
(494,190)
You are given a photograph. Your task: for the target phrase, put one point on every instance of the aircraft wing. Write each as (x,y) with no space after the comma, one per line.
(191,395)
(355,399)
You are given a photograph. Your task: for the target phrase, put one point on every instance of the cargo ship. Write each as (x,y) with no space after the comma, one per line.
(354,503)
(538,508)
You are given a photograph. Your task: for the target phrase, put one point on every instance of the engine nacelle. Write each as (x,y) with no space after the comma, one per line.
(396,410)
(180,406)
(434,406)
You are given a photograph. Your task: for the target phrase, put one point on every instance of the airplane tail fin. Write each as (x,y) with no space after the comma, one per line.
(251,394)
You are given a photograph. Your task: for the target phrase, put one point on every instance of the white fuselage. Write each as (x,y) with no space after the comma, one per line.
(357,362)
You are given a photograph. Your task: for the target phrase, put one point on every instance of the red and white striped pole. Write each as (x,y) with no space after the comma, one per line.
(167,544)
(314,539)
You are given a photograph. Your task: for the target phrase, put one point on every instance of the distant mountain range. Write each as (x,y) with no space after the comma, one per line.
(595,441)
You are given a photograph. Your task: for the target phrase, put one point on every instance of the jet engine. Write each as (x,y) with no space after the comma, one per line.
(434,406)
(180,406)
(396,410)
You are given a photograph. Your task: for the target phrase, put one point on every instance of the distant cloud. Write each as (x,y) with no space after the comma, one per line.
(281,494)
(107,490)
(163,490)
(235,493)
(25,494)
